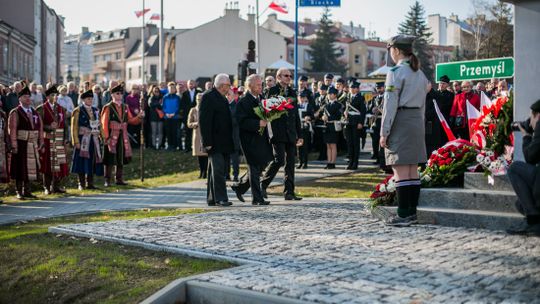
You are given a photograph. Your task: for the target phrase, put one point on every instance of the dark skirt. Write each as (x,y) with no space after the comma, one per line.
(116,159)
(331,136)
(81,165)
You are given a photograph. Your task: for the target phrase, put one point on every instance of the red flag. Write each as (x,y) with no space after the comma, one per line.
(444,124)
(472,115)
(140,13)
(282,8)
(155,17)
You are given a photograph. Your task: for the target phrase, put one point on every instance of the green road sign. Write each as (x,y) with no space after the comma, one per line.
(477,69)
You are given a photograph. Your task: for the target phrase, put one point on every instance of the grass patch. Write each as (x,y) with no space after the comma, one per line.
(161,168)
(39,267)
(355,185)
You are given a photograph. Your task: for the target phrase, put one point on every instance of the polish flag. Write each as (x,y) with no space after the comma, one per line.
(140,13)
(472,116)
(155,17)
(444,124)
(282,8)
(484,101)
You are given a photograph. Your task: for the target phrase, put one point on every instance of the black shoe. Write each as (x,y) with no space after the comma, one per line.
(211,203)
(29,195)
(304,166)
(224,203)
(292,197)
(263,203)
(263,192)
(121,183)
(327,166)
(92,187)
(238,194)
(299,166)
(532,230)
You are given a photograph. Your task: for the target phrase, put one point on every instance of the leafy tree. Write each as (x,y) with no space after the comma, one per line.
(415,25)
(323,51)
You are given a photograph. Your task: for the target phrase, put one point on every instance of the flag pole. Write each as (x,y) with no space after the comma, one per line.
(257,47)
(161,45)
(295,43)
(141,101)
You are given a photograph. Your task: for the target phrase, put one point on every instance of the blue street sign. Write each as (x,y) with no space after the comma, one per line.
(320,2)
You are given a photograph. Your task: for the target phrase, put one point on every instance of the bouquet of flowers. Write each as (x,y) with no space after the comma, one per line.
(447,163)
(492,163)
(384,193)
(272,108)
(492,130)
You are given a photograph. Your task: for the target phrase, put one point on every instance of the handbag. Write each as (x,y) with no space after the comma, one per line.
(160,113)
(459,121)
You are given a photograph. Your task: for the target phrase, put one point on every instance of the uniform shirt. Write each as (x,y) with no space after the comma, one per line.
(404,88)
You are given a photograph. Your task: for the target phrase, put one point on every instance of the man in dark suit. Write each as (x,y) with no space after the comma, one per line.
(284,136)
(525,175)
(188,101)
(355,112)
(375,108)
(215,124)
(256,146)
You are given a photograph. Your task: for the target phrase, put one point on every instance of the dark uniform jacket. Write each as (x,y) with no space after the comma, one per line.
(376,101)
(285,129)
(256,147)
(531,152)
(359,103)
(215,122)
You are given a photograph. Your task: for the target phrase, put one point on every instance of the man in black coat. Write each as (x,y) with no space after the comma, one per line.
(188,101)
(256,146)
(284,136)
(375,108)
(525,176)
(355,112)
(215,124)
(435,136)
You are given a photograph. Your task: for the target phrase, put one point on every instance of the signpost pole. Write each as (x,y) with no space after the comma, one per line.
(295,42)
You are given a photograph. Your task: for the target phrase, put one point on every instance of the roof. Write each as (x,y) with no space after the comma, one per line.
(151,48)
(110,35)
(375,43)
(447,48)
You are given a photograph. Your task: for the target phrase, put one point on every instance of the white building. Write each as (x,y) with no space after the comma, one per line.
(77,59)
(217,46)
(448,31)
(151,62)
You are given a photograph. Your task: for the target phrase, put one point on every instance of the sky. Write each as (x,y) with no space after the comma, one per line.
(381,16)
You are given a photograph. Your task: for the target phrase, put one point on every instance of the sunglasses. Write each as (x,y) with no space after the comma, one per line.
(288,76)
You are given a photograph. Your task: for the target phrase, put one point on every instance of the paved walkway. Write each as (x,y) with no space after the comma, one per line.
(188,195)
(337,253)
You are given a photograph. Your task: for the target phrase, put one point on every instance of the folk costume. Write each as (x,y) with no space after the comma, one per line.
(53,159)
(26,136)
(117,152)
(86,133)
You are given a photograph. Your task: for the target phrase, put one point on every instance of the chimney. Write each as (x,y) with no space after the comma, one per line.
(453,17)
(251,14)
(232,10)
(308,20)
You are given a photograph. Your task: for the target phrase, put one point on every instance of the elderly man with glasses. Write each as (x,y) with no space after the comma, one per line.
(285,134)
(114,120)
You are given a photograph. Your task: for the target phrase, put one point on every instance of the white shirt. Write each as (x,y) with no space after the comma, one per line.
(192,94)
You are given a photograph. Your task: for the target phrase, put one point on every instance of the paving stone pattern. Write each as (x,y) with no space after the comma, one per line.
(337,253)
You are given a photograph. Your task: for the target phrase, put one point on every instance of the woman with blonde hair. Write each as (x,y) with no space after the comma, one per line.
(196,143)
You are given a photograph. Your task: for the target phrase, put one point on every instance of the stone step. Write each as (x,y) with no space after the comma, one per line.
(477,180)
(471,218)
(468,199)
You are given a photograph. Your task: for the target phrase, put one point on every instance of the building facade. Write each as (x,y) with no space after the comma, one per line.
(16,54)
(47,30)
(217,46)
(134,72)
(77,59)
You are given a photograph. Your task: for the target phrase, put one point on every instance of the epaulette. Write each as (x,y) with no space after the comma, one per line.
(394,68)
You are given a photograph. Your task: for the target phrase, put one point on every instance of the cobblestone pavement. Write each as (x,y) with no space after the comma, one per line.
(335,252)
(186,195)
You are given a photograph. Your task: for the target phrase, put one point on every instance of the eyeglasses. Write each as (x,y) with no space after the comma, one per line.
(117,93)
(288,76)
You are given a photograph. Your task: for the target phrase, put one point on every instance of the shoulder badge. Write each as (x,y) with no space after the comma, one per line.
(394,68)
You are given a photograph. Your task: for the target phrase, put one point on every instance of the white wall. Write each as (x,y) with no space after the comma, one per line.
(526,46)
(134,64)
(218,46)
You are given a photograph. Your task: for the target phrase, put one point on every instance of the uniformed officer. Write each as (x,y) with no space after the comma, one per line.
(329,80)
(402,130)
(355,112)
(375,107)
(304,87)
(342,91)
(319,125)
(306,111)
(333,110)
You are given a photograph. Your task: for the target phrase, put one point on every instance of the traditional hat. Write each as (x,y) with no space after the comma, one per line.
(332,90)
(536,106)
(401,41)
(328,76)
(25,91)
(51,90)
(87,94)
(355,85)
(323,87)
(380,84)
(118,88)
(444,79)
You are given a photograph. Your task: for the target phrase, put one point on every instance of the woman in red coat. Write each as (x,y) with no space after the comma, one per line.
(458,114)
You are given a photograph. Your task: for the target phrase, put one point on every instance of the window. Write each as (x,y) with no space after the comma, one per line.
(153,72)
(129,74)
(117,55)
(357,59)
(107,57)
(117,75)
(307,56)
(342,51)
(357,75)
(96,58)
(370,55)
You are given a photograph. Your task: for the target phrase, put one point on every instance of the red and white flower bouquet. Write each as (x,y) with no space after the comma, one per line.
(273,108)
